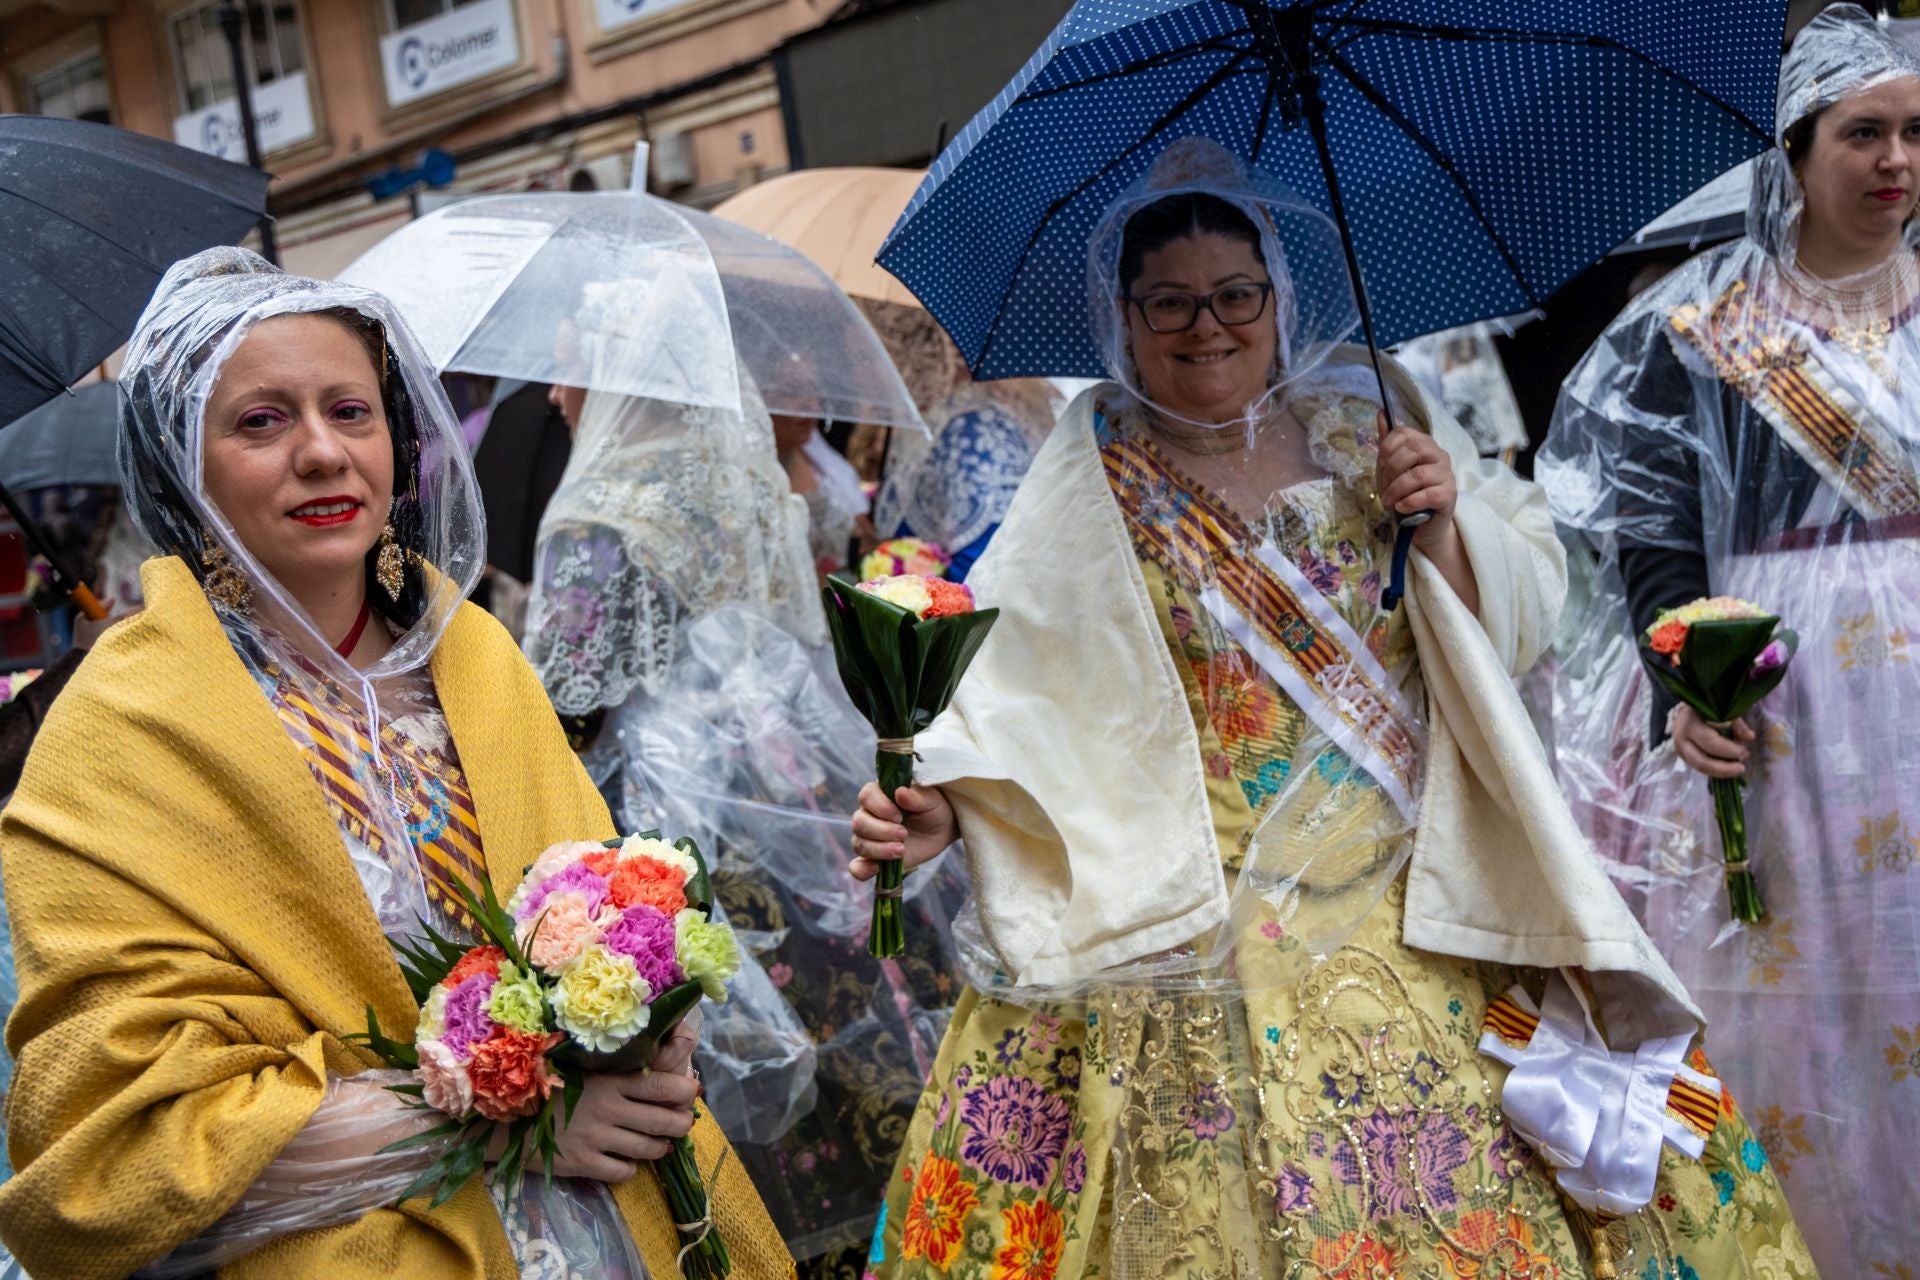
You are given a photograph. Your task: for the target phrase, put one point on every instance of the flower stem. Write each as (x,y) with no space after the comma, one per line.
(706,1255)
(1730,815)
(888,935)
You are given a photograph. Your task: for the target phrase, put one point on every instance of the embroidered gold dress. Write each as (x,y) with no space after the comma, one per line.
(1337,1121)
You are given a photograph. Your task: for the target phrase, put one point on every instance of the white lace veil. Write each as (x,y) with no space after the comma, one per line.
(665,513)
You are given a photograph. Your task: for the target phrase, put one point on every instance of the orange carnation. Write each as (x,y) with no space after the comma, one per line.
(948,599)
(510,1074)
(1668,637)
(654,884)
(1036,1239)
(937,1212)
(485,960)
(601,861)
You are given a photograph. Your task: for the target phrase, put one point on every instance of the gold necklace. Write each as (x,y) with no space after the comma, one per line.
(1203,441)
(1869,341)
(1891,280)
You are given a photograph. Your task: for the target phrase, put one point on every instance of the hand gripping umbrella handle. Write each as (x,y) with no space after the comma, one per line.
(1307,85)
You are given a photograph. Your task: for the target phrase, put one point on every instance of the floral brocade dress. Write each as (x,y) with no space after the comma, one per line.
(1332,1121)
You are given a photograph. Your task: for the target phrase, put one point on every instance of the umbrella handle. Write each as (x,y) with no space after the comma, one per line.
(87,602)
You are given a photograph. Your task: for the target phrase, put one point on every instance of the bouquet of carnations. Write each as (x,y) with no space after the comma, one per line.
(902,643)
(594,960)
(915,557)
(12,684)
(1720,656)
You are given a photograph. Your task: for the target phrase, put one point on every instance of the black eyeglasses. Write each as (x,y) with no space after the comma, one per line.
(1235,305)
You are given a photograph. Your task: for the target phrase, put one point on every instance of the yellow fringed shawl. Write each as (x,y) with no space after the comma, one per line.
(192,943)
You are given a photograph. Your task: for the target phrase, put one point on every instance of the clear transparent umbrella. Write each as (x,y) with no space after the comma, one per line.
(495,285)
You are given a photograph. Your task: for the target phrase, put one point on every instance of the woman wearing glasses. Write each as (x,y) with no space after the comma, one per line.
(1227,1020)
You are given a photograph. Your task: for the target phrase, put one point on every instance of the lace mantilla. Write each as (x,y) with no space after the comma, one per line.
(666,513)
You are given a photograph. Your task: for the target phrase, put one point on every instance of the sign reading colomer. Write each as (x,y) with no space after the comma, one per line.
(281,111)
(461,45)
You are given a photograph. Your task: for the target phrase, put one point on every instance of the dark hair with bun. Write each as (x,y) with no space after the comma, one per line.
(1798,139)
(1153,227)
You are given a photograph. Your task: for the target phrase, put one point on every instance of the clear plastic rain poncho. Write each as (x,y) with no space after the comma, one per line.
(382,726)
(1330,796)
(676,610)
(1746,428)
(1191,678)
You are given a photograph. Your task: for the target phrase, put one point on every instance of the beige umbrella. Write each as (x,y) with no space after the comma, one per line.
(837,217)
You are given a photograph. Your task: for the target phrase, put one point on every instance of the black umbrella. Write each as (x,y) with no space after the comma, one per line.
(90,218)
(71,439)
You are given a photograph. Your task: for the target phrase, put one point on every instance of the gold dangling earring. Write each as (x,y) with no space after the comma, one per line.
(224,584)
(389,567)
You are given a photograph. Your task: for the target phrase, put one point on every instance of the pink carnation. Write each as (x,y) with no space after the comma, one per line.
(567,925)
(647,935)
(559,857)
(444,1082)
(467,1020)
(578,878)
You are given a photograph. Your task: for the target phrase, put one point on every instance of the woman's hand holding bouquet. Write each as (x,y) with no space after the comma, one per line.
(1719,657)
(902,644)
(583,980)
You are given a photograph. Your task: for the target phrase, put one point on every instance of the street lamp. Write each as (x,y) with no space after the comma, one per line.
(233,23)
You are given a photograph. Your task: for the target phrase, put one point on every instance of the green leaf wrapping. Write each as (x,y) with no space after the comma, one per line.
(699,889)
(1713,676)
(900,673)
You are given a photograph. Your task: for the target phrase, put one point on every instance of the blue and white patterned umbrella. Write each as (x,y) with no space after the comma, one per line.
(1486,150)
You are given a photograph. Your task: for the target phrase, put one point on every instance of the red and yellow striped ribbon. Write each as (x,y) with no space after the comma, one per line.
(1769,368)
(1202,542)
(446,846)
(1687,1102)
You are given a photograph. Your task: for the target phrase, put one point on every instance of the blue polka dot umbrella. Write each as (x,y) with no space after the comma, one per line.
(1476,154)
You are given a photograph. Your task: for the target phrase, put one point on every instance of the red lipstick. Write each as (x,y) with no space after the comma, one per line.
(1888,195)
(320,518)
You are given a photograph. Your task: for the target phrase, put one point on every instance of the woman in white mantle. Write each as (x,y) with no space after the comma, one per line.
(1288,959)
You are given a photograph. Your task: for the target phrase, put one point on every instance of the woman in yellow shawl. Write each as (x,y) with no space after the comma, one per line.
(291,756)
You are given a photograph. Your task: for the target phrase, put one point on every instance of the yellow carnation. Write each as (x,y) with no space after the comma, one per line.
(601,1000)
(908,593)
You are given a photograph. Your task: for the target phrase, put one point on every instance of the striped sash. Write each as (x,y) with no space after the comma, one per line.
(1819,417)
(425,794)
(1261,599)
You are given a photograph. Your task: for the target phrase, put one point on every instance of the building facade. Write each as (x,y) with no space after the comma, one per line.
(352,96)
(370,110)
